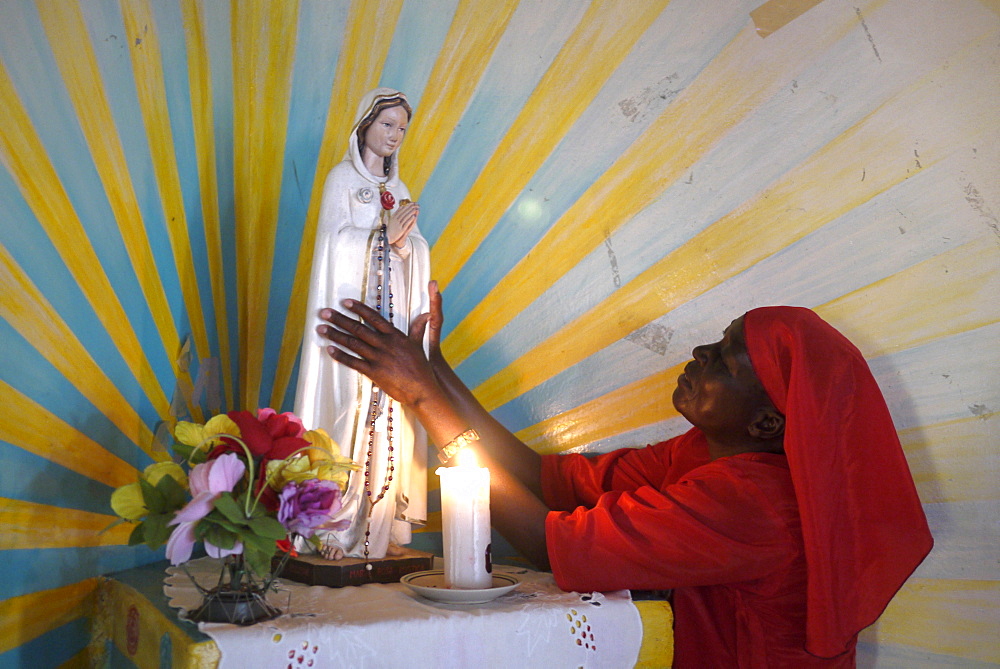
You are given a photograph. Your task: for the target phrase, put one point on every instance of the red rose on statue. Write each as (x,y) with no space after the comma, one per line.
(388,201)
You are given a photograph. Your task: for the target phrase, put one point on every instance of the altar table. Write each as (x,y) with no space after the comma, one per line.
(135,626)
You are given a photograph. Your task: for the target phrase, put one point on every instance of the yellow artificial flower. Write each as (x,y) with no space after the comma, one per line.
(157,471)
(127,502)
(206,436)
(323,448)
(324,462)
(293,468)
(329,470)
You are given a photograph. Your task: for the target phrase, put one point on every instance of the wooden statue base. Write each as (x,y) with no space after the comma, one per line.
(317,570)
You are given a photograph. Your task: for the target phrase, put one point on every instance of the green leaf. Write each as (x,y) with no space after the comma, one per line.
(190,454)
(258,557)
(230,509)
(217,518)
(136,537)
(174,494)
(268,526)
(153,498)
(220,537)
(156,531)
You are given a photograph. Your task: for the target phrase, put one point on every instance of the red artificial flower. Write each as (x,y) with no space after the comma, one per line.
(388,201)
(274,438)
(285,546)
(268,436)
(268,497)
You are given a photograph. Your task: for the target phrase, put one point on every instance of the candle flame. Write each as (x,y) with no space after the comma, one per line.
(466,458)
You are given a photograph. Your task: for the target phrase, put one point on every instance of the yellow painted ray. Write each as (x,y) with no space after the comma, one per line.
(24,156)
(67,34)
(642,402)
(954,461)
(27,617)
(956,289)
(144,50)
(26,309)
(262,39)
(28,425)
(957,617)
(590,55)
(433,480)
(204,144)
(433,522)
(722,95)
(30,525)
(362,57)
(473,35)
(82,660)
(818,191)
(993,5)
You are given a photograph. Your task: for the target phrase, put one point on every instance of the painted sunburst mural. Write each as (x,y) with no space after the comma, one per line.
(604,185)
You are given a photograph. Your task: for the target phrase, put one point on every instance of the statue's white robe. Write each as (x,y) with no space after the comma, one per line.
(338,399)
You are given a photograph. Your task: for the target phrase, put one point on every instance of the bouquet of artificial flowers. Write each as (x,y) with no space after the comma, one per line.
(247,485)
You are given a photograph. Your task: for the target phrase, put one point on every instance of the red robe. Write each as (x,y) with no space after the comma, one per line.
(725,535)
(771,558)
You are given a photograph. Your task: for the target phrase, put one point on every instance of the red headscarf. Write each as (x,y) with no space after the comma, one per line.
(862,523)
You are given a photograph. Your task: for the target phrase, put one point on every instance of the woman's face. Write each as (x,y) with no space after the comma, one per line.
(385,134)
(719,391)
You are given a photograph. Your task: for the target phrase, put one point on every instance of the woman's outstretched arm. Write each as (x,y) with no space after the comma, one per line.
(498,441)
(446,408)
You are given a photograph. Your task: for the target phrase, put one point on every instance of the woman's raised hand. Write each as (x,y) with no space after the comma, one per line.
(394,361)
(434,323)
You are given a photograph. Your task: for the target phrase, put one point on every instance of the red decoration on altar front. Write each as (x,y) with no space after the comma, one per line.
(132,630)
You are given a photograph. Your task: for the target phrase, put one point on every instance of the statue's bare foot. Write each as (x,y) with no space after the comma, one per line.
(331,552)
(394,551)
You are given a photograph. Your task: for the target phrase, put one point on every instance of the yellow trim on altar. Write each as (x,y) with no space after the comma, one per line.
(657,649)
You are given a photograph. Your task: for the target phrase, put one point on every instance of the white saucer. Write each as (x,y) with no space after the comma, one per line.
(430,584)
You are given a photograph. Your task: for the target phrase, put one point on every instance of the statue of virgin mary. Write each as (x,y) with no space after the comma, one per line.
(368,248)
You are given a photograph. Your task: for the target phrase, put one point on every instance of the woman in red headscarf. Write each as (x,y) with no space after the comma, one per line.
(784,520)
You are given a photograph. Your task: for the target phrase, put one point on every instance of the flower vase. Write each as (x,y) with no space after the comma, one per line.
(238,598)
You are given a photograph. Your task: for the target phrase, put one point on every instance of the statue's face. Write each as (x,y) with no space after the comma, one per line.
(385,134)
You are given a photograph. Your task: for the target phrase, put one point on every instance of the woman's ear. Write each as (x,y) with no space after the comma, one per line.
(767,423)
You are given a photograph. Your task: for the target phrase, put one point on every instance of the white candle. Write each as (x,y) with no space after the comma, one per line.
(465,523)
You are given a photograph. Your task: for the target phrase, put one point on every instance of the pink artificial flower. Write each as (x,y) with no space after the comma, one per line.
(208,481)
(181,543)
(216,552)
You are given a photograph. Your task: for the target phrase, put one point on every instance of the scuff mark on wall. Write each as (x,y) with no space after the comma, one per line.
(980,410)
(613,261)
(868,34)
(636,107)
(298,184)
(653,337)
(978,205)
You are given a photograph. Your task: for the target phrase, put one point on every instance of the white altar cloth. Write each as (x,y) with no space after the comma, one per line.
(388,625)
